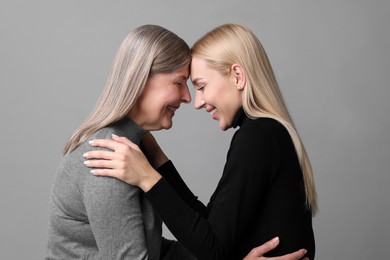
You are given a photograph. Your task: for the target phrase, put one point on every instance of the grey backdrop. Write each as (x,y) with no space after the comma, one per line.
(331,59)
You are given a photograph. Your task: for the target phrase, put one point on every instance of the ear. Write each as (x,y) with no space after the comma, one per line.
(239,76)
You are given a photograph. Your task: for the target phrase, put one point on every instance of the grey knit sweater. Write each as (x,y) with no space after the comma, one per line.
(100,217)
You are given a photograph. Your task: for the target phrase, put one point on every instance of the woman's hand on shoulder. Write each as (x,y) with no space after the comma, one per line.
(258,252)
(125,162)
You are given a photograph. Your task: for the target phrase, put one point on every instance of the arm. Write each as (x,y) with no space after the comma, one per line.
(165,168)
(169,172)
(243,185)
(150,148)
(173,250)
(211,237)
(115,216)
(121,158)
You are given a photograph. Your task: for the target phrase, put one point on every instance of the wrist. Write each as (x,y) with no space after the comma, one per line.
(147,183)
(160,161)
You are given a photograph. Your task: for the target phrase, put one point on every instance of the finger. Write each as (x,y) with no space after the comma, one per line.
(107,143)
(125,141)
(100,154)
(105,173)
(109,164)
(293,256)
(121,139)
(264,248)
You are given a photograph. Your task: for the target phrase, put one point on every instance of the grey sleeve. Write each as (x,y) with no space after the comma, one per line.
(115,216)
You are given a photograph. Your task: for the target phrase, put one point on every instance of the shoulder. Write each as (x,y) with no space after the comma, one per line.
(107,187)
(265,130)
(262,124)
(103,133)
(261,137)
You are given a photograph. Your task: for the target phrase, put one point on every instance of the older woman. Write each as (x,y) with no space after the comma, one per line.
(105,218)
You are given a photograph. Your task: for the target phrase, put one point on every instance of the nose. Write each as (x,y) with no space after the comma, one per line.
(185,94)
(199,101)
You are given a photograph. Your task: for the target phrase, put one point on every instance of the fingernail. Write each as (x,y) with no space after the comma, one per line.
(275,240)
(86,162)
(93,172)
(91,142)
(113,135)
(85,154)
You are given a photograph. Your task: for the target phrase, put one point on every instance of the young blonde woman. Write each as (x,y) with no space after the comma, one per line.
(267,186)
(103,218)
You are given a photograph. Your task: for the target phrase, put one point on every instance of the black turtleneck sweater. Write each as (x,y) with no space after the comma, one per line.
(259,196)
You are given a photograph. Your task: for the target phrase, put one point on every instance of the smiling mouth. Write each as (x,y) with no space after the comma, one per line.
(212,112)
(173,109)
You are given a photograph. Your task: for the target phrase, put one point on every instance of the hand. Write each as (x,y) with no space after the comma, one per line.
(125,162)
(152,150)
(258,252)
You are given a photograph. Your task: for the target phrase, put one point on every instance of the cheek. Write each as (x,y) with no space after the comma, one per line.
(157,104)
(151,108)
(159,108)
(155,101)
(220,92)
(229,104)
(174,95)
(212,97)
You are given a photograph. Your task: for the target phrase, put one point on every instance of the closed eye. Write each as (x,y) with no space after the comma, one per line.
(199,88)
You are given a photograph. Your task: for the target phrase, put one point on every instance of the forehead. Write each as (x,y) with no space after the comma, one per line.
(199,68)
(183,72)
(180,74)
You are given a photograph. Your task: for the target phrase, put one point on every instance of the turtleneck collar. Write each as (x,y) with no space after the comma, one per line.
(131,130)
(240,118)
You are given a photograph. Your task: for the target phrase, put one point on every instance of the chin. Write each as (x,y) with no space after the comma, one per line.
(166,126)
(224,125)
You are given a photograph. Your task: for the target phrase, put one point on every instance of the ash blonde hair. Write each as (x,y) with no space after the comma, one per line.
(147,50)
(232,43)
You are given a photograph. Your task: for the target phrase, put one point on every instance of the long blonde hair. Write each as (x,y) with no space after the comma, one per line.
(147,50)
(232,43)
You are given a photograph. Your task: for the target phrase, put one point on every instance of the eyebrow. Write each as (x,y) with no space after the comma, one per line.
(181,77)
(195,81)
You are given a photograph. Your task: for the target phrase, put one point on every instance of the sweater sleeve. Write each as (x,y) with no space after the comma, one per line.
(173,250)
(115,217)
(169,172)
(251,164)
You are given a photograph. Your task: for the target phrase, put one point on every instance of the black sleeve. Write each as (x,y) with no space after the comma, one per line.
(251,163)
(169,172)
(173,250)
